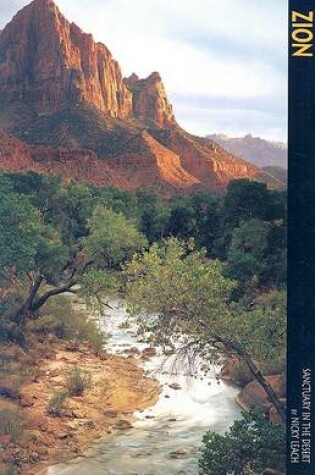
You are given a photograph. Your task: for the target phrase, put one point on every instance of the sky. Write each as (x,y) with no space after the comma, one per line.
(223,62)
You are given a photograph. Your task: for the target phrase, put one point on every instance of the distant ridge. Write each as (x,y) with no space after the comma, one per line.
(256,150)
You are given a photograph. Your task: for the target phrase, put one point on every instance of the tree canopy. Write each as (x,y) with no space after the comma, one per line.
(189,292)
(56,244)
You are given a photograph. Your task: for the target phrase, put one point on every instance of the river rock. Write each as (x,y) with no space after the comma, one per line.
(34,457)
(178,454)
(43,451)
(122,424)
(26,401)
(38,421)
(62,435)
(204,367)
(229,368)
(175,386)
(148,352)
(253,395)
(111,413)
(77,414)
(133,351)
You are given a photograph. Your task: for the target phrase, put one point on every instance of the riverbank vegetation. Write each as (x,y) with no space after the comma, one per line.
(251,445)
(211,266)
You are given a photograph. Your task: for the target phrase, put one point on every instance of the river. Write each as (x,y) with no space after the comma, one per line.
(166,438)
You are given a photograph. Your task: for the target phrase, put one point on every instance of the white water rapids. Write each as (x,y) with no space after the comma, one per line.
(167,437)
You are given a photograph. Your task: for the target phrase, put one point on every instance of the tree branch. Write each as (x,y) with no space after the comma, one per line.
(61,289)
(238,348)
(51,293)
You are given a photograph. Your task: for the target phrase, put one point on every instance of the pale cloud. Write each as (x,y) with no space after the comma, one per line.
(230,50)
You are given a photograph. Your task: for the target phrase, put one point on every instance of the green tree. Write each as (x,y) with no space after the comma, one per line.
(188,292)
(242,267)
(245,200)
(251,445)
(20,231)
(250,237)
(247,253)
(112,238)
(32,250)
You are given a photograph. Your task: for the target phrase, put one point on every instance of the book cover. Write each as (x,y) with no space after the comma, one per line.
(156,221)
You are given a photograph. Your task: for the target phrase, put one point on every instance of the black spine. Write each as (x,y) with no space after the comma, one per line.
(301,251)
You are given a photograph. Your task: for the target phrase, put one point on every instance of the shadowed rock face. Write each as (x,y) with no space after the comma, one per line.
(48,62)
(63,96)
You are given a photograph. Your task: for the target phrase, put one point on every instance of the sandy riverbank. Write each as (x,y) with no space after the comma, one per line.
(119,388)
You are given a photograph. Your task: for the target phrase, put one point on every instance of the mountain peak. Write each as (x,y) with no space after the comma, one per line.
(48,63)
(44,3)
(150,102)
(38,6)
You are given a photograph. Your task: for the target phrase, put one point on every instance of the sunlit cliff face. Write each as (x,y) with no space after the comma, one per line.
(64,95)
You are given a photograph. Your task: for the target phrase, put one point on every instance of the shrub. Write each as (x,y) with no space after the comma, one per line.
(241,374)
(58,317)
(10,302)
(58,403)
(251,445)
(9,470)
(12,375)
(11,423)
(275,366)
(10,386)
(78,381)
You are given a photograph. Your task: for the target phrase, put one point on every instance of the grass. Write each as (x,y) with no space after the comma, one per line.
(58,317)
(58,403)
(78,381)
(11,423)
(9,470)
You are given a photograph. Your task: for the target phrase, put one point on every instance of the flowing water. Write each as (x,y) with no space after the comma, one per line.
(166,438)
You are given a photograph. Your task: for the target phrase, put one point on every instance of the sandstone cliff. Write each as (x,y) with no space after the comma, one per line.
(47,62)
(150,103)
(63,95)
(147,164)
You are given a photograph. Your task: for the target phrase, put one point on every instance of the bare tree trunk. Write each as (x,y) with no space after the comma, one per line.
(51,293)
(33,290)
(245,356)
(34,303)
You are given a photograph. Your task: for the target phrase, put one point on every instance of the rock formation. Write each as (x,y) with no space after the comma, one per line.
(150,103)
(63,96)
(47,62)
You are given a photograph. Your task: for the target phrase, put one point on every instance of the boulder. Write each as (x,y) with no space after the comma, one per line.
(38,421)
(148,352)
(123,424)
(110,413)
(26,401)
(253,395)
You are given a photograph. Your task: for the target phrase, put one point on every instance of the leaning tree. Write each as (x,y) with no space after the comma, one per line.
(188,293)
(39,255)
